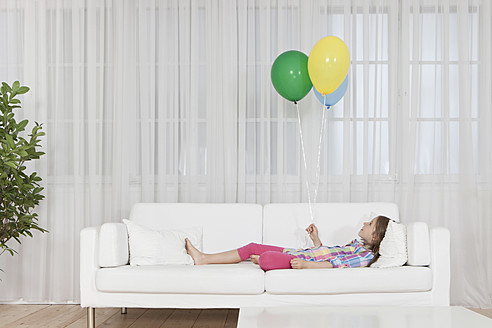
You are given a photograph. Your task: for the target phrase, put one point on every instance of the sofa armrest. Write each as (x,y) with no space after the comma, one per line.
(89,264)
(113,245)
(440,265)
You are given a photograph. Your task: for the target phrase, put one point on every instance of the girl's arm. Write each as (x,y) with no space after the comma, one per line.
(298,263)
(347,261)
(353,260)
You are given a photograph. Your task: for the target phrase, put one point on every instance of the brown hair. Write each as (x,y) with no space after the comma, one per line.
(379,232)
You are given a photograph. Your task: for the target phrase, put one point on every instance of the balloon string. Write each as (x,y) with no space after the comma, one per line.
(305,164)
(318,168)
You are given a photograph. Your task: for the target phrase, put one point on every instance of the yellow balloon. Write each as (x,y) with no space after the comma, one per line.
(328,64)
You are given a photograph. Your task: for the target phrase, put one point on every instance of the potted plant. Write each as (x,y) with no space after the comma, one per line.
(20,191)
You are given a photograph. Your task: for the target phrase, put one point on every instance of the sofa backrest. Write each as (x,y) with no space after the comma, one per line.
(338,223)
(225,226)
(229,226)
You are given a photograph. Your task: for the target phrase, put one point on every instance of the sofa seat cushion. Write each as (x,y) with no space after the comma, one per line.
(241,278)
(349,280)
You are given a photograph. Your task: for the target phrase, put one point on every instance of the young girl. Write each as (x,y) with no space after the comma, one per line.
(354,254)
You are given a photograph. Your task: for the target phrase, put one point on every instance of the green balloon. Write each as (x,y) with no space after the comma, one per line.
(290,75)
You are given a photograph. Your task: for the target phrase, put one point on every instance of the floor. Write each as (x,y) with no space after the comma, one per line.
(16,315)
(485,312)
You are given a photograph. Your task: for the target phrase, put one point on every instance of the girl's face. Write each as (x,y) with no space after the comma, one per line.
(366,233)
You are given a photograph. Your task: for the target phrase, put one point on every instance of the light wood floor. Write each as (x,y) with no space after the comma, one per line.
(73,316)
(17,315)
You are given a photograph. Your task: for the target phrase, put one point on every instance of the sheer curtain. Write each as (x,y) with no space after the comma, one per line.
(444,138)
(171,101)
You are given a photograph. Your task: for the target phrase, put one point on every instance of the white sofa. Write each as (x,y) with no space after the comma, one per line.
(107,280)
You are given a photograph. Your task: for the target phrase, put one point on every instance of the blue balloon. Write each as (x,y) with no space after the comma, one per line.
(334,97)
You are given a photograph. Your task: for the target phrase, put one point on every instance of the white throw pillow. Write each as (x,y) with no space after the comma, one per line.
(393,248)
(150,247)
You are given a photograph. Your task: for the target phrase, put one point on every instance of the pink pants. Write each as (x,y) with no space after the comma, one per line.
(271,257)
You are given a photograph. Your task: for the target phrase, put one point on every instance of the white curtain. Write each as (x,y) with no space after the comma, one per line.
(444,123)
(171,101)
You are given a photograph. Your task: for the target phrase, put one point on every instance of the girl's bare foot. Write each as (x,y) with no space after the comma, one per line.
(255,259)
(198,257)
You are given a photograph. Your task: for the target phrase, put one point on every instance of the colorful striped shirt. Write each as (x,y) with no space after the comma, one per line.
(352,255)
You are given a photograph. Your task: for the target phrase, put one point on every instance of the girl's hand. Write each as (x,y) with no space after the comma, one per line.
(298,263)
(312,230)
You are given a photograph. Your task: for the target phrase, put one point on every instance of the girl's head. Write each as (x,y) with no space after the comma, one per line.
(372,233)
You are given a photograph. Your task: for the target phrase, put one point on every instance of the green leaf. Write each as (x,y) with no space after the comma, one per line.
(18,180)
(12,165)
(10,141)
(22,125)
(15,86)
(7,87)
(14,101)
(22,90)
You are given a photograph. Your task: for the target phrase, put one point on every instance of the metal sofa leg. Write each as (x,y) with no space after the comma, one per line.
(91,317)
(123,310)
